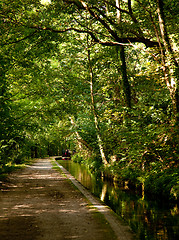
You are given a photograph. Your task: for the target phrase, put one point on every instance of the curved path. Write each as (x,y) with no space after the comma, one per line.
(39,203)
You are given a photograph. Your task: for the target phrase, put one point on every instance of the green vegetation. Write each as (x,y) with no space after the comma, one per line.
(97,77)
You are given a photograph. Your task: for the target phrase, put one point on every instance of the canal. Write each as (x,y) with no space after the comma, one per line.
(150,220)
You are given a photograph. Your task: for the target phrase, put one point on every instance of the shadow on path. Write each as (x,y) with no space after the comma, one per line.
(38,203)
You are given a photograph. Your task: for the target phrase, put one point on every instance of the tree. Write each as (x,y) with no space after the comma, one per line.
(93,108)
(173,87)
(117,93)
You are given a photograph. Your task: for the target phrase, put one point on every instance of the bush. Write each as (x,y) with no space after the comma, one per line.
(77,158)
(164,184)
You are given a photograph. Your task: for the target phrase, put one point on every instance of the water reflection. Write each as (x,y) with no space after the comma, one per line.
(150,220)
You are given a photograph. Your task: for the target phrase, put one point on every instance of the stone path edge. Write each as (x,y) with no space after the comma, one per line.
(122,231)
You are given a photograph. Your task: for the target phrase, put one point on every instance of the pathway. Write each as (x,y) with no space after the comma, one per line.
(39,203)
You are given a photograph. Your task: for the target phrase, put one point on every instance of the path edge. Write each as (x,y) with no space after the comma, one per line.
(122,231)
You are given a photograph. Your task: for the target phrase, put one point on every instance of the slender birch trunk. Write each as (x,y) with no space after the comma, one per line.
(174,68)
(100,141)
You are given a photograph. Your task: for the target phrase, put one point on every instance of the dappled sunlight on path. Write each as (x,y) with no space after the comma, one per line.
(42,164)
(39,203)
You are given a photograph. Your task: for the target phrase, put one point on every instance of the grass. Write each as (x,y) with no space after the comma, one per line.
(12,167)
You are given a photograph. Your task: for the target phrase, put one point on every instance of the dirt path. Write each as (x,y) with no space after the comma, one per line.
(38,203)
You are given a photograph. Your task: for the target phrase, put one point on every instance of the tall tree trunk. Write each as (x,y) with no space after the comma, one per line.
(100,141)
(126,85)
(174,85)
(125,80)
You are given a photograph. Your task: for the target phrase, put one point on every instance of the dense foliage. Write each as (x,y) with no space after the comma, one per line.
(97,77)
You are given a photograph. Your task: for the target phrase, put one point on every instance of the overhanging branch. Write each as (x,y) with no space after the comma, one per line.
(20,40)
(120,41)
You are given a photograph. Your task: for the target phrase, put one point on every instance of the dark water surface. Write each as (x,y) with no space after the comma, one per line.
(150,220)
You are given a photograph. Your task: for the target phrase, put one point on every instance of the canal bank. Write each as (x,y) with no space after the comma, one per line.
(150,220)
(39,203)
(122,231)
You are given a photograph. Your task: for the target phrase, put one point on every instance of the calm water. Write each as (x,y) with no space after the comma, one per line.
(149,220)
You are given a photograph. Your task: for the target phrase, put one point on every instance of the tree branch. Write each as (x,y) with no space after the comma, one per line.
(20,40)
(119,41)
